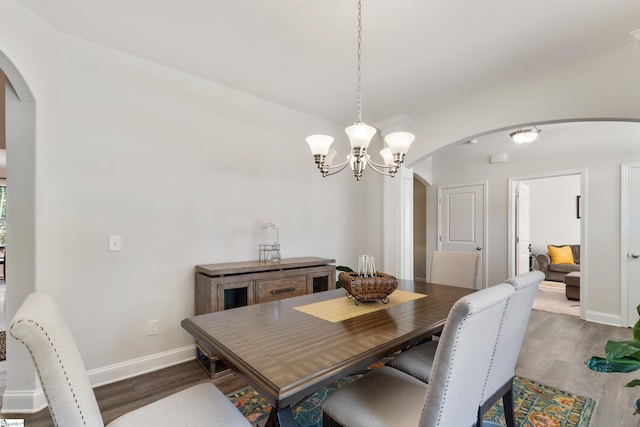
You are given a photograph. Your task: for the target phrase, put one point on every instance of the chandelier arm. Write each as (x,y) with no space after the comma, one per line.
(371,162)
(339,168)
(382,172)
(341,165)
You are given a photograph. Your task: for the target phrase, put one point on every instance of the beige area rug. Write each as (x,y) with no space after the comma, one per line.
(551,298)
(339,309)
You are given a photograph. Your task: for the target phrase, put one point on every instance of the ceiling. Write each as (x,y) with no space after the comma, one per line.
(418,55)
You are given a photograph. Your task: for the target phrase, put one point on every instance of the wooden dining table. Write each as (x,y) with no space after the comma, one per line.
(287,354)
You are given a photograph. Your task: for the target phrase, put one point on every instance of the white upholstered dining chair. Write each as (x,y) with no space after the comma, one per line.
(455,268)
(388,397)
(516,318)
(39,325)
(418,361)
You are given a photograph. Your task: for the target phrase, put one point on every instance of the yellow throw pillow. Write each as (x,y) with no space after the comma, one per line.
(560,255)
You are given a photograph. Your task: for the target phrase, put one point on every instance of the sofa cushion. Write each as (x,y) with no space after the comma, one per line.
(560,255)
(564,268)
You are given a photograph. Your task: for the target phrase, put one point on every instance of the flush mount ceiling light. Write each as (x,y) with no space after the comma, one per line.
(525,136)
(360,135)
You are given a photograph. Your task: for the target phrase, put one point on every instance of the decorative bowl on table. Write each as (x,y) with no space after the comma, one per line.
(368,288)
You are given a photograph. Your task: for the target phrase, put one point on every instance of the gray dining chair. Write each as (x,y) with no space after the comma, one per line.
(418,360)
(39,325)
(455,268)
(388,397)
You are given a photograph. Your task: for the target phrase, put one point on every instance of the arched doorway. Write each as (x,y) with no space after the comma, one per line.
(566,146)
(20,113)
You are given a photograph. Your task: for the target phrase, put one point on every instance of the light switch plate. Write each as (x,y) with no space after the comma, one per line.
(115,243)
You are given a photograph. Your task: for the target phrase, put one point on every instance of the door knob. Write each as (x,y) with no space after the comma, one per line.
(478,248)
(635,255)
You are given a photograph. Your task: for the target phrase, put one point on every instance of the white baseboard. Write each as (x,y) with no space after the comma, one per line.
(142,365)
(605,318)
(23,401)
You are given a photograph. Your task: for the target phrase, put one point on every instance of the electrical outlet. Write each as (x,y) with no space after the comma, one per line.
(152,327)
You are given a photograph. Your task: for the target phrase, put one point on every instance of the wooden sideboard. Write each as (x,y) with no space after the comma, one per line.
(235,284)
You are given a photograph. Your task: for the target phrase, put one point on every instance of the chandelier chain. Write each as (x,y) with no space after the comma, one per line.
(359,61)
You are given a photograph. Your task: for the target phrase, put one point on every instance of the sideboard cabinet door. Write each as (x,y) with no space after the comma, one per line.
(235,294)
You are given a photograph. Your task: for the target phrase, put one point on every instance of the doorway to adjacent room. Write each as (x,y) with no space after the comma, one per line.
(550,214)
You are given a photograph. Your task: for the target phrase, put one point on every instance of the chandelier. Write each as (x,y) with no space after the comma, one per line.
(525,136)
(360,135)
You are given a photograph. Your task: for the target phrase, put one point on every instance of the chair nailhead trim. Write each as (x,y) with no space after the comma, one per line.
(495,346)
(453,354)
(73,393)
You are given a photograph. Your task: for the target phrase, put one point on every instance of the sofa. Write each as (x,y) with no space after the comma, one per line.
(556,272)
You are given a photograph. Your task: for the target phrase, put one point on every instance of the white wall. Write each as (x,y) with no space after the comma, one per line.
(598,147)
(185,170)
(600,87)
(553,218)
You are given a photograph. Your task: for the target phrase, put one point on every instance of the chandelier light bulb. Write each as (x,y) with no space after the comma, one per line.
(399,142)
(319,144)
(330,156)
(387,156)
(360,135)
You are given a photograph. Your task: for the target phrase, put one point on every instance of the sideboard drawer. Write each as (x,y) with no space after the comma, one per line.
(271,290)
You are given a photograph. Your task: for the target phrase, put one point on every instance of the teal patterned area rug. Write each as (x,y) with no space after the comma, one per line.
(536,405)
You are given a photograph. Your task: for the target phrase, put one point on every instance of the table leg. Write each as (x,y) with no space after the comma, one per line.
(282,417)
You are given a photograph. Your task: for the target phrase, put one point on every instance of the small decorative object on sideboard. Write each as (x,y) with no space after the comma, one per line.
(367,284)
(269,247)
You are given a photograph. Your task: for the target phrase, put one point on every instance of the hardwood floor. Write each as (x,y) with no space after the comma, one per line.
(554,352)
(555,349)
(126,395)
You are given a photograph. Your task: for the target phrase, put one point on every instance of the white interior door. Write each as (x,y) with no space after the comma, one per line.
(522,228)
(632,256)
(461,221)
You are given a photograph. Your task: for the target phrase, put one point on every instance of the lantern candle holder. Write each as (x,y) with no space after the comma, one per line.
(269,248)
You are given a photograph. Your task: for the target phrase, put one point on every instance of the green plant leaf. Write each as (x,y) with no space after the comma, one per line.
(633,383)
(600,364)
(619,349)
(342,268)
